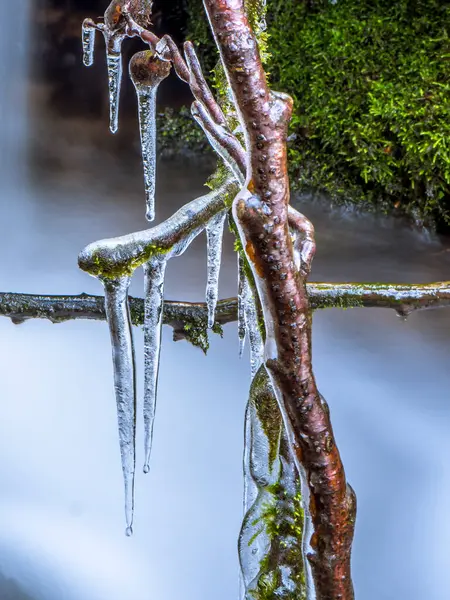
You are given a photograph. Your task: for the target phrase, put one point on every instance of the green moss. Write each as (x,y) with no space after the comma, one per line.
(345,302)
(217,329)
(100,266)
(370,81)
(371,89)
(196,332)
(178,133)
(283,520)
(268,412)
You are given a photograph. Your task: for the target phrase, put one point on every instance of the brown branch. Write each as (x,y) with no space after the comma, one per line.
(200,88)
(261,213)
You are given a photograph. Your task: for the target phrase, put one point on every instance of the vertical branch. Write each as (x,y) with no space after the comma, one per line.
(261,214)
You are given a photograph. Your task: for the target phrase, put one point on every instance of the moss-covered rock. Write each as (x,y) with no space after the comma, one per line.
(371,85)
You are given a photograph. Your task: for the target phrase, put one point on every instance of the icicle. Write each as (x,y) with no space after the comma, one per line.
(154,272)
(147,71)
(214,235)
(88,41)
(254,335)
(243,290)
(147,126)
(114,63)
(118,315)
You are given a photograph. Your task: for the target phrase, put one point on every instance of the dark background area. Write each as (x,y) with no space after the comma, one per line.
(57,63)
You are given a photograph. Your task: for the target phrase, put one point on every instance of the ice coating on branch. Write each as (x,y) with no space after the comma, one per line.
(243,290)
(147,71)
(147,127)
(261,470)
(88,41)
(114,65)
(214,236)
(270,541)
(118,316)
(154,272)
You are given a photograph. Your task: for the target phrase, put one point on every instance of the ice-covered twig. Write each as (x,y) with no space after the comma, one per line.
(224,143)
(270,541)
(304,242)
(200,88)
(189,71)
(123,255)
(403,298)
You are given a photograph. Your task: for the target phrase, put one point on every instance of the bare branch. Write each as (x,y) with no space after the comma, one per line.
(260,211)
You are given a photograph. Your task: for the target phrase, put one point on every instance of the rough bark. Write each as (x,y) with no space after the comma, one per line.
(261,214)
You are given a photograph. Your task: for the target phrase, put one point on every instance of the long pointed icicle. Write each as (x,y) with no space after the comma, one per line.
(243,290)
(147,71)
(154,272)
(147,126)
(114,64)
(214,236)
(88,41)
(118,315)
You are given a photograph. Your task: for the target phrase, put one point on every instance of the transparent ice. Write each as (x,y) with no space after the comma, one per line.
(254,335)
(88,41)
(243,290)
(147,125)
(119,321)
(261,470)
(270,541)
(114,64)
(214,235)
(154,272)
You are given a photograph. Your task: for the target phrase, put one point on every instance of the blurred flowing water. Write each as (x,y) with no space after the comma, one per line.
(61,507)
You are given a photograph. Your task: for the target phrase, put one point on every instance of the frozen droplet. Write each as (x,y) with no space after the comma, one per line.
(129,531)
(114,64)
(402,314)
(242,291)
(214,235)
(154,272)
(88,41)
(119,321)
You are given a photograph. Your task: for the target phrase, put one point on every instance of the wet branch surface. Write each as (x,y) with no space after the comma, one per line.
(403,298)
(260,211)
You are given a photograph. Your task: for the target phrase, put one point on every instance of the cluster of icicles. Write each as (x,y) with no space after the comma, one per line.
(268,464)
(116,290)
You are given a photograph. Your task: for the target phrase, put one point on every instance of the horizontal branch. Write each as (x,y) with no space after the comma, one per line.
(115,257)
(404,298)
